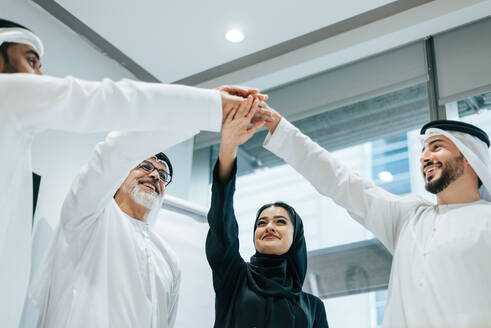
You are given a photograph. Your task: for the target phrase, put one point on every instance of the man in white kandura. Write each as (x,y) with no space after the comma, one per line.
(106,267)
(441,269)
(31,103)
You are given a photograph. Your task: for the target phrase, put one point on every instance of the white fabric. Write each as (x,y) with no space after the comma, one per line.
(21,35)
(474,150)
(30,104)
(441,273)
(104,268)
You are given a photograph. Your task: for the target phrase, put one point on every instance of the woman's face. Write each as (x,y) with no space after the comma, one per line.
(274,231)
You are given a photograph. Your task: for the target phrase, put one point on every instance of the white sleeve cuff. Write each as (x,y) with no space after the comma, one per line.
(215,112)
(276,140)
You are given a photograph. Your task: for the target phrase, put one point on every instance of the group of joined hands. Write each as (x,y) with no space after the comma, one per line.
(244,112)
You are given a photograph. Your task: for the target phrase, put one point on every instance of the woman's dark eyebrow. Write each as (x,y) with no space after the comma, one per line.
(274,217)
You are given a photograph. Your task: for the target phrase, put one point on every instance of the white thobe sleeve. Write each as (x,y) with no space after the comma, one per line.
(40,102)
(373,207)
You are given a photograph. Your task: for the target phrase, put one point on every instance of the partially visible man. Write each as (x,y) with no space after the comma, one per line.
(31,103)
(441,273)
(105,266)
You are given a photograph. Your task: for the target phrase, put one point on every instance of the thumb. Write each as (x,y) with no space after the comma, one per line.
(256,126)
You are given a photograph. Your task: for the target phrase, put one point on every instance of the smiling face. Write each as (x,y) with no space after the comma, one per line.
(19,58)
(441,163)
(274,231)
(145,188)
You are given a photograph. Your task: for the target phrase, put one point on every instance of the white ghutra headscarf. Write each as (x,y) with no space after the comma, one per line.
(13,32)
(472,142)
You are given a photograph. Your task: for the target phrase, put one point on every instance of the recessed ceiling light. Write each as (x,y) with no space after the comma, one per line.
(234,36)
(386,176)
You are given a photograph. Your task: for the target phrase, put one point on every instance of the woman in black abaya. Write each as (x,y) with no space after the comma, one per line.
(267,292)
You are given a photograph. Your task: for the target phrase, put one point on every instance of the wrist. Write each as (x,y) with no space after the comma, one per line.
(271,126)
(227,151)
(274,121)
(228,146)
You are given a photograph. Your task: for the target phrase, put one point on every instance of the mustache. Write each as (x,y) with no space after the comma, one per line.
(152,182)
(431,163)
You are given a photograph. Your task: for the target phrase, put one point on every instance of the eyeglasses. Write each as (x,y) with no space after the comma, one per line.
(149,167)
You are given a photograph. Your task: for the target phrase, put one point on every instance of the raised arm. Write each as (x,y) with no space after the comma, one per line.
(41,102)
(378,210)
(222,243)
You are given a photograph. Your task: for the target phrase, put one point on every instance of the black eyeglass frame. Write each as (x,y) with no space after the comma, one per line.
(163,174)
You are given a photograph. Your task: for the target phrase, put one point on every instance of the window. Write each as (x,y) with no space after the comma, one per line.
(368,114)
(389,156)
(474,110)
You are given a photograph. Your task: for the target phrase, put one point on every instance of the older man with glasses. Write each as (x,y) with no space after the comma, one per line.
(105,266)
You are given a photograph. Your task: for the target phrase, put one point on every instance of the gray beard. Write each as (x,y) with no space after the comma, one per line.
(453,169)
(143,198)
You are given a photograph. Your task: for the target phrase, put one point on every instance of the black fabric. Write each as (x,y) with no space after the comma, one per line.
(163,157)
(9,24)
(448,125)
(265,293)
(36,182)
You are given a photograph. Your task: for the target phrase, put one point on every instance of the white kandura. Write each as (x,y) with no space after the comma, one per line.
(441,273)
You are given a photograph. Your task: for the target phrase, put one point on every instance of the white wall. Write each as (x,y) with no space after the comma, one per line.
(196,296)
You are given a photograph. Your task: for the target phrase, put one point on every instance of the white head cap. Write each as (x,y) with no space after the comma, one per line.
(13,32)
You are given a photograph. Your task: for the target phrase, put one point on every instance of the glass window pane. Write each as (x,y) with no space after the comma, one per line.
(378,138)
(387,155)
(474,110)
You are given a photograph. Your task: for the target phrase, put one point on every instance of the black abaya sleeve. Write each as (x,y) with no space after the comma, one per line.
(320,315)
(222,242)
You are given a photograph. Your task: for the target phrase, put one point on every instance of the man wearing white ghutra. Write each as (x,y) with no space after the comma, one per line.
(441,272)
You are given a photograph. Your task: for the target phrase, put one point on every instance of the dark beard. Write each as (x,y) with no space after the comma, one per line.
(450,172)
(9,68)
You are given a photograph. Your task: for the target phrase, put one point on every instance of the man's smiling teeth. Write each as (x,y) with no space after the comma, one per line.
(431,168)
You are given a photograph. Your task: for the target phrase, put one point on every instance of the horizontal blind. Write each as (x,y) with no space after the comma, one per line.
(463,61)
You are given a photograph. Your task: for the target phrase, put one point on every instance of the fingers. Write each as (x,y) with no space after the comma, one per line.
(245,107)
(256,126)
(252,110)
(262,96)
(243,92)
(230,115)
(229,102)
(238,90)
(262,115)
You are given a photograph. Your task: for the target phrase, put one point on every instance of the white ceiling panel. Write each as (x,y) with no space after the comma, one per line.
(176,39)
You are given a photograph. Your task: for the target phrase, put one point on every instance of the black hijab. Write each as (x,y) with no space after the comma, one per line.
(280,276)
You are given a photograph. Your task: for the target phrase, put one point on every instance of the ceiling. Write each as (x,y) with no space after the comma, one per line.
(183,41)
(174,39)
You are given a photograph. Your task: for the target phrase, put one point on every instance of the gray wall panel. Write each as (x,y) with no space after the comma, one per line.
(463,58)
